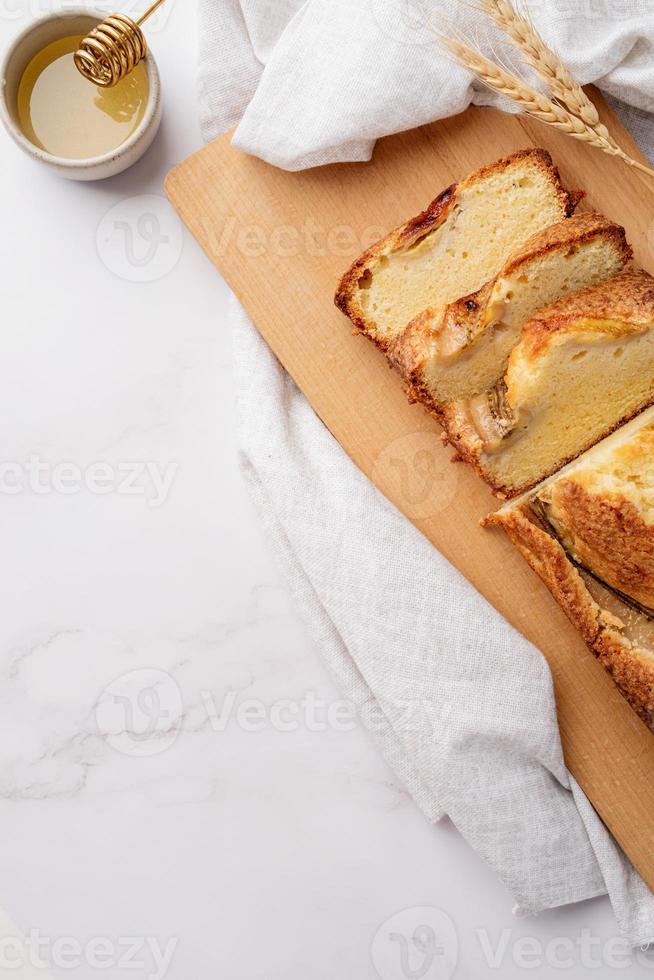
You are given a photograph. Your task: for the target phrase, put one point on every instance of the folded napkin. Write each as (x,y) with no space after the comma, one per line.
(463,706)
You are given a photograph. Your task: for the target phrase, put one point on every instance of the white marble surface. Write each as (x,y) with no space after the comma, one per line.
(220,840)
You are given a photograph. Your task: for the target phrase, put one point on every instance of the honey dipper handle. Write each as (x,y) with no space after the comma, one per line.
(151,9)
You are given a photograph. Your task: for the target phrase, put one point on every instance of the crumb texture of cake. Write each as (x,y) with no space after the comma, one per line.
(588,532)
(463,349)
(459,243)
(583,367)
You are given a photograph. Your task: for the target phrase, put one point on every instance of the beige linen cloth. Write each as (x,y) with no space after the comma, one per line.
(316,81)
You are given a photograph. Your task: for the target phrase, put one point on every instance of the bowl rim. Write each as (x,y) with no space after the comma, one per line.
(72,163)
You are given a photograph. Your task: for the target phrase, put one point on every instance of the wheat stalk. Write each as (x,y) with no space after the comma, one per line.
(558,77)
(555,73)
(570,110)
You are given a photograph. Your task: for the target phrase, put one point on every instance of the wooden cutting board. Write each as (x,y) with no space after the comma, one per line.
(281,241)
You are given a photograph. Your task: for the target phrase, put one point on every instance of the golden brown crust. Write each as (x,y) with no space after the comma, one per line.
(410,349)
(427,222)
(569,199)
(606,533)
(576,231)
(549,561)
(631,668)
(632,671)
(460,433)
(624,304)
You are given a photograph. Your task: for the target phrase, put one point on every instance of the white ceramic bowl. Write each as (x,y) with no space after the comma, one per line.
(75,20)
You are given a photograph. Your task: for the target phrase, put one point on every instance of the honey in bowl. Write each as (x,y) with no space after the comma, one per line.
(66,115)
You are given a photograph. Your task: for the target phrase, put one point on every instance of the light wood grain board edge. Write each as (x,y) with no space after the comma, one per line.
(614,767)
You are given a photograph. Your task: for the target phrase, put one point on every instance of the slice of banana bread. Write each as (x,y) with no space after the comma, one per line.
(583,366)
(455,246)
(589,535)
(463,348)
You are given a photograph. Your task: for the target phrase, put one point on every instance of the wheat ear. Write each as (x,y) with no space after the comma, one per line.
(558,77)
(560,81)
(536,104)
